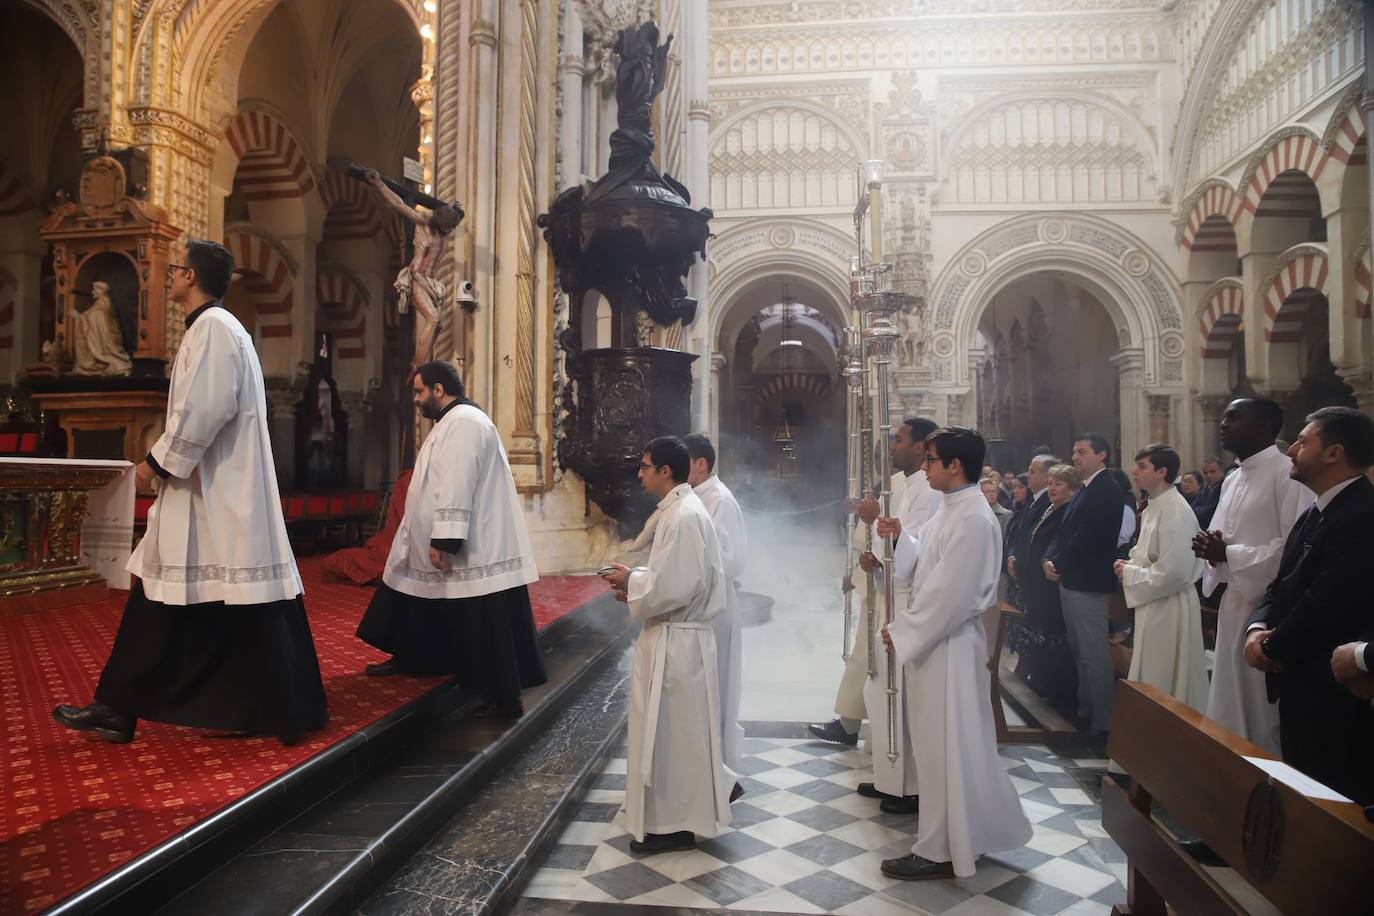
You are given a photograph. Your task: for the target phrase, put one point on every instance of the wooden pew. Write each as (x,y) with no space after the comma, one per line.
(1302,855)
(1004,680)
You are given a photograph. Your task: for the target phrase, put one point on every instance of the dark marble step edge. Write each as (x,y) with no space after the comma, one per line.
(370,868)
(339,761)
(507,893)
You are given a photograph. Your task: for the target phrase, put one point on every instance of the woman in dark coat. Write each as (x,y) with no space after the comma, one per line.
(1047,662)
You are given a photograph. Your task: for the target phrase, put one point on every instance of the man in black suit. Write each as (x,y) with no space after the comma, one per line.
(1323,598)
(1081,560)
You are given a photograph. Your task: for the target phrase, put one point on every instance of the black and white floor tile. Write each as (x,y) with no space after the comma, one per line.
(803,841)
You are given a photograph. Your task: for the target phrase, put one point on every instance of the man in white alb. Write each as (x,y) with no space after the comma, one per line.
(894,783)
(734,544)
(454,597)
(1159,582)
(968,804)
(676,786)
(214,634)
(907,451)
(1259,504)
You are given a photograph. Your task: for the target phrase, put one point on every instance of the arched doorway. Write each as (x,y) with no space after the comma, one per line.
(1044,368)
(40,154)
(781,403)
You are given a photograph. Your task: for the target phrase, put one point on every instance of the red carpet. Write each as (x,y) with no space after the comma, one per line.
(73,808)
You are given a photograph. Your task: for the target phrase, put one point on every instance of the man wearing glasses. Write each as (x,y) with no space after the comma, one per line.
(214,634)
(676,785)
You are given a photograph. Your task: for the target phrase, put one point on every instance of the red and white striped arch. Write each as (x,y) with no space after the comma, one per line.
(808,383)
(1296,152)
(1222,314)
(1364,281)
(1295,288)
(9,291)
(15,197)
(342,304)
(271,164)
(268,277)
(1211,224)
(1345,148)
(350,207)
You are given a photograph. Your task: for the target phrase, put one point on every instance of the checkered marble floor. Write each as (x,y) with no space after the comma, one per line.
(803,841)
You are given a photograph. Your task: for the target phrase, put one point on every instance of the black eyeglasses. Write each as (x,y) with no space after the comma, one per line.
(649,467)
(172,267)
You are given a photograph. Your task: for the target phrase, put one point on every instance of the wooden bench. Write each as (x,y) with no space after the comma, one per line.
(1304,856)
(1004,680)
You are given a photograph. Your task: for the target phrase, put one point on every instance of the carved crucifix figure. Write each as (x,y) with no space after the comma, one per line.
(417,283)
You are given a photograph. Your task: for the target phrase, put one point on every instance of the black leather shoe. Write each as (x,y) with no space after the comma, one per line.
(834,732)
(914,868)
(384,669)
(664,842)
(736,793)
(498,711)
(907,805)
(112,726)
(869,790)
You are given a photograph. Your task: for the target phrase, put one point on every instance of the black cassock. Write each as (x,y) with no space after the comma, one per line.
(488,641)
(241,668)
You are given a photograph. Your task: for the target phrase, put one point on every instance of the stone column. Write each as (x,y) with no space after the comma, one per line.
(1160,415)
(1209,410)
(1135,425)
(696,156)
(282,398)
(355,404)
(570,70)
(1255,268)
(1361,382)
(714,424)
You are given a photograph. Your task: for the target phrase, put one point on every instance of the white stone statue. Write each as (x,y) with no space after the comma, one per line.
(96,335)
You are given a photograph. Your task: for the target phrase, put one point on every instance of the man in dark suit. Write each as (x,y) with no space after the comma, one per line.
(1323,598)
(1037,481)
(1081,560)
(1205,503)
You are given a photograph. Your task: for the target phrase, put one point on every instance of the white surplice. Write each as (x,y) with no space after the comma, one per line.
(216,532)
(968,804)
(1259,505)
(728,520)
(1158,581)
(915,506)
(462,488)
(675,777)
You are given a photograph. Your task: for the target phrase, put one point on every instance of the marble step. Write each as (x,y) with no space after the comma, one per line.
(328,856)
(482,859)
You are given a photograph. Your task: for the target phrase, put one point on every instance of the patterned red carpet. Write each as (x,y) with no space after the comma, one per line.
(73,808)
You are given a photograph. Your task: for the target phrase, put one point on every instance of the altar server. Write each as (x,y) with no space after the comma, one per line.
(214,633)
(968,804)
(1258,506)
(676,785)
(728,520)
(454,598)
(1159,582)
(894,782)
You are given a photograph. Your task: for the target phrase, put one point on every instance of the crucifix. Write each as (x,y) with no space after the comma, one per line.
(417,283)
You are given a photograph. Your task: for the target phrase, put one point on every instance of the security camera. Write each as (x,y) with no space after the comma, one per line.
(467,295)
